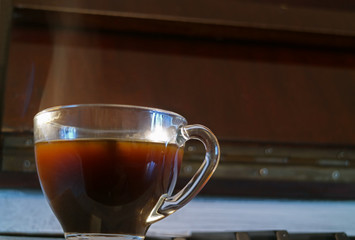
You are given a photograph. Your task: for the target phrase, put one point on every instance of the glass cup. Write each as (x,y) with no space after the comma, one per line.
(109,171)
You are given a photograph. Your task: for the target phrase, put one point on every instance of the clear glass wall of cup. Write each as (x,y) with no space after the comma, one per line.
(109,171)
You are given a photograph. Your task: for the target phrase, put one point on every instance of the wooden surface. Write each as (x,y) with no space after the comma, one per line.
(334,18)
(245,87)
(27,211)
(245,92)
(281,72)
(5,26)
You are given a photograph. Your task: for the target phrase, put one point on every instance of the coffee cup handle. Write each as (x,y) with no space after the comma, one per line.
(169,204)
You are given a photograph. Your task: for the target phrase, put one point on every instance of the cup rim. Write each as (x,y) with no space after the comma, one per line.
(123,106)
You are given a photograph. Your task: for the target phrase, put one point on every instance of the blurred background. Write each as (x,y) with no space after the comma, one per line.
(274,80)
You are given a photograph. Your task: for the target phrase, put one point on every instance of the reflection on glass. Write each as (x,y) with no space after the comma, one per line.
(67,132)
(157,132)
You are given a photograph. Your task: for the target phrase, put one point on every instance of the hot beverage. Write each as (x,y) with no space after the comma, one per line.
(109,171)
(106,185)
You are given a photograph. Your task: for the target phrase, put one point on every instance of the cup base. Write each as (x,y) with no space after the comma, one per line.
(100,236)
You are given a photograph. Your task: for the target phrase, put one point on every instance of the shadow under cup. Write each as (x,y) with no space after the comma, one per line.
(108,171)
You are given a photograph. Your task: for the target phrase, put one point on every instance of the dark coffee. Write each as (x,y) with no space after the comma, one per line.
(105,186)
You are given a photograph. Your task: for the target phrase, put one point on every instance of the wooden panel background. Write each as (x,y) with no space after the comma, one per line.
(242,91)
(274,80)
